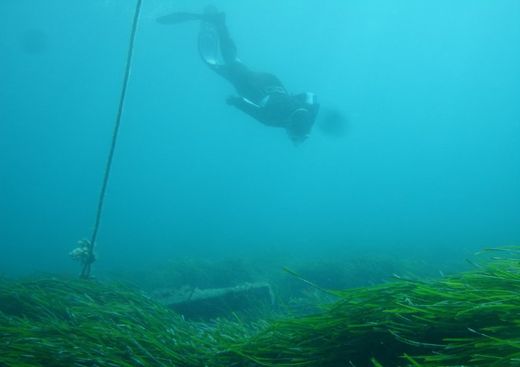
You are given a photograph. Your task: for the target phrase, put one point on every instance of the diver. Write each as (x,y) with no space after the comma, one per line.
(260,95)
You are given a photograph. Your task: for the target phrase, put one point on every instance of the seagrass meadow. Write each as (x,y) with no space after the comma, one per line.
(468,319)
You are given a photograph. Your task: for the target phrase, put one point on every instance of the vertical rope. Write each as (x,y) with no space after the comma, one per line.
(90,258)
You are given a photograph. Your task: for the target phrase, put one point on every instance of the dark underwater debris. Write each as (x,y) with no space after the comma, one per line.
(470,319)
(211,303)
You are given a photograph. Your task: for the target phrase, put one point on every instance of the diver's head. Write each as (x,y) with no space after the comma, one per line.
(300,124)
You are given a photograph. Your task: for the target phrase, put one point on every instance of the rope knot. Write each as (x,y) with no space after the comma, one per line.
(84,252)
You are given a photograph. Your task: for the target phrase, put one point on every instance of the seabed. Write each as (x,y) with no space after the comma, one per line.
(467,319)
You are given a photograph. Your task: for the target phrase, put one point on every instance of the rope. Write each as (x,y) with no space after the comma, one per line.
(90,258)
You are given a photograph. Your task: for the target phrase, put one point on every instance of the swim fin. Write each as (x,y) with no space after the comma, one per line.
(209,44)
(176,18)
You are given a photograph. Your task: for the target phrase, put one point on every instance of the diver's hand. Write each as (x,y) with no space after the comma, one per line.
(232,100)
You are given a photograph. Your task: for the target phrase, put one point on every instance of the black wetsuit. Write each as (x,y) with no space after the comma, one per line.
(261,95)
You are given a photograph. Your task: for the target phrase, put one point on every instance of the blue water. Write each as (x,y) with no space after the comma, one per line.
(429,165)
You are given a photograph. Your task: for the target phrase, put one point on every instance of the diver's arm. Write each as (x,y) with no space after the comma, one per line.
(246,106)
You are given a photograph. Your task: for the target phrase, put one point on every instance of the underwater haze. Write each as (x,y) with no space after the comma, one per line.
(428,165)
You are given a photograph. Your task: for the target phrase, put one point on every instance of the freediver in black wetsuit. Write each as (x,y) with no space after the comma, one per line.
(260,95)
